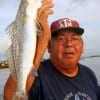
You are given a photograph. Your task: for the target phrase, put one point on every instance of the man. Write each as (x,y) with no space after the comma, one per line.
(62,77)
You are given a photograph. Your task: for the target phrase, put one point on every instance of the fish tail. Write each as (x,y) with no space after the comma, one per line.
(19,95)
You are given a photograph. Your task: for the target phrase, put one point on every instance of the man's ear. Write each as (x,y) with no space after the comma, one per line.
(49,46)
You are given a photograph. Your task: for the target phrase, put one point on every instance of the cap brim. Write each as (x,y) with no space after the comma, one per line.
(79,31)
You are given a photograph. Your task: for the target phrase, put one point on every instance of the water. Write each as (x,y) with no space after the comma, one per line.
(94,64)
(4,73)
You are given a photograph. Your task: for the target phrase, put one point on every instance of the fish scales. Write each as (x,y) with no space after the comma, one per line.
(23,34)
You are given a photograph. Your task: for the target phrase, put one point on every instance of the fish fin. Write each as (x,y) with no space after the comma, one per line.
(20,96)
(11,64)
(38,28)
(9,41)
(10,30)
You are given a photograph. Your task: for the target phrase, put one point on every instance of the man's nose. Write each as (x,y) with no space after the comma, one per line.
(68,42)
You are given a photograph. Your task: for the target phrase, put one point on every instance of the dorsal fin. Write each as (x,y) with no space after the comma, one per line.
(11,31)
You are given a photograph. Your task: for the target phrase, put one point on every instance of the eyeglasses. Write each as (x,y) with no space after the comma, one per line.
(62,40)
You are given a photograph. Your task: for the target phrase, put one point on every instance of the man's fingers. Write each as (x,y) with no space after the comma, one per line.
(46,13)
(47,4)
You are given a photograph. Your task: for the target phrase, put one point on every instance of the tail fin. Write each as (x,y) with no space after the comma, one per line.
(20,96)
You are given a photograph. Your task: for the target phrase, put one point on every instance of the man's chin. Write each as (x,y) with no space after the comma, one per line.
(69,62)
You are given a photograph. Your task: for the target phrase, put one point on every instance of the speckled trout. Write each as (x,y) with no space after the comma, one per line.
(23,35)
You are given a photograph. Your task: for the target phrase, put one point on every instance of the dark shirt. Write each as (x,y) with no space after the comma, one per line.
(53,85)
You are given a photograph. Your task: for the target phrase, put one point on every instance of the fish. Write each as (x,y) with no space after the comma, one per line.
(22,33)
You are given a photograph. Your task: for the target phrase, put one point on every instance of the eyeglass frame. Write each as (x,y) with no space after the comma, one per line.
(75,40)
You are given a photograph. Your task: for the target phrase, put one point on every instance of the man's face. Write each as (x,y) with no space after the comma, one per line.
(66,48)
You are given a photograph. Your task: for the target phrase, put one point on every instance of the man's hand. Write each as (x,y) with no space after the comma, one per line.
(43,13)
(42,18)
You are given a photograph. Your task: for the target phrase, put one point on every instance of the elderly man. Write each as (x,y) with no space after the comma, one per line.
(62,77)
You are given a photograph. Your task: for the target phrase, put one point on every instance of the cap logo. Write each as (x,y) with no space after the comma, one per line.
(65,23)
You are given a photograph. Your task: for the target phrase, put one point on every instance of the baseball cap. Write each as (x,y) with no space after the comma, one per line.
(65,24)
